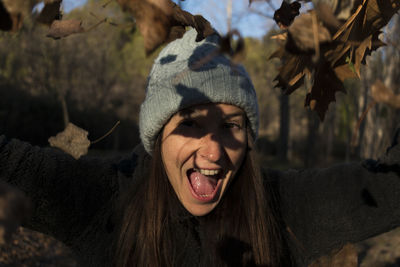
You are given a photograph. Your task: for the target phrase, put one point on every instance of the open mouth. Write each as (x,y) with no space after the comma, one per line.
(204,184)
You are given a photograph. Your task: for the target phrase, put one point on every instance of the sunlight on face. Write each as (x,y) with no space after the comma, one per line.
(202,149)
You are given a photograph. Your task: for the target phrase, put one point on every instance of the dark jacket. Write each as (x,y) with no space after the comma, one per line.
(323,209)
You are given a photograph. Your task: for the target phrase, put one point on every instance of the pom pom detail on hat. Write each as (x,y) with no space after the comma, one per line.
(188,73)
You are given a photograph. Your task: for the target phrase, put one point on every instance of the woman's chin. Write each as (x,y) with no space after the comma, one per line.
(200,209)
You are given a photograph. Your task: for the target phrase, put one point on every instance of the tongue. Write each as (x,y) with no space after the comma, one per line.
(201,184)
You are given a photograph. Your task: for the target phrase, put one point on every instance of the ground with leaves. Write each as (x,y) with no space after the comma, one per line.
(28,248)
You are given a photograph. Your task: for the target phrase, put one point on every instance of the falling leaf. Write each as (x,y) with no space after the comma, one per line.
(345,71)
(15,11)
(360,52)
(324,88)
(162,21)
(382,94)
(326,15)
(6,23)
(292,72)
(183,18)
(285,15)
(14,210)
(339,59)
(301,34)
(152,19)
(50,12)
(63,28)
(73,140)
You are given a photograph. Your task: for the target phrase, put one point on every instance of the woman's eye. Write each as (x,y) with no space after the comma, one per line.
(232,125)
(188,123)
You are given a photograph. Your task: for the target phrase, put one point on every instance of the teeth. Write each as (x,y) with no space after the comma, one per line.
(209,172)
(204,195)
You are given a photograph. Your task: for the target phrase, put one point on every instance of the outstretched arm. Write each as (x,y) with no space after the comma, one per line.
(326,208)
(66,193)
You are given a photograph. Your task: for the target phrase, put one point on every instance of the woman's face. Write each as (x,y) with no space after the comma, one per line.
(202,149)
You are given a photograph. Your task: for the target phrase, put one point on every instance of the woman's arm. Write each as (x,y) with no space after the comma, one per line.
(326,208)
(66,193)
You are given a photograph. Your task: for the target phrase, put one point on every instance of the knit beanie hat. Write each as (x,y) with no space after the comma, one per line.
(188,73)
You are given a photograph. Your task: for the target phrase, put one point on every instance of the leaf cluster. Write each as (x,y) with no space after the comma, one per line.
(328,51)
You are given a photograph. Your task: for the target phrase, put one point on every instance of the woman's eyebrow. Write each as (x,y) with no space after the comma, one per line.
(234,115)
(187,112)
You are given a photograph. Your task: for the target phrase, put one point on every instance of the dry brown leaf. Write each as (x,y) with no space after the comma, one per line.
(73,140)
(369,18)
(14,210)
(63,28)
(22,7)
(183,18)
(13,13)
(301,34)
(326,16)
(382,94)
(337,54)
(324,88)
(162,21)
(292,72)
(6,23)
(152,19)
(50,12)
(350,20)
(341,58)
(360,33)
(285,15)
(344,72)
(360,52)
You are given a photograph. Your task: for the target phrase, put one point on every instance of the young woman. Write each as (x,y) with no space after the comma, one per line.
(191,194)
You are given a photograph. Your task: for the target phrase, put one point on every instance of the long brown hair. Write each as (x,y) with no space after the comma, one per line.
(244,218)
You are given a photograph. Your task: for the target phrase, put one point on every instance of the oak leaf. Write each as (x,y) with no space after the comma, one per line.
(6,23)
(73,140)
(339,59)
(285,15)
(362,29)
(326,84)
(292,72)
(162,21)
(301,34)
(13,13)
(50,12)
(64,28)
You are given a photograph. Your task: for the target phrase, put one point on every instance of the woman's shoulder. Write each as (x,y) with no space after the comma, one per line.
(133,167)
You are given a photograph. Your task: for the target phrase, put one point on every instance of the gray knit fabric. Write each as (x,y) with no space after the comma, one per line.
(188,73)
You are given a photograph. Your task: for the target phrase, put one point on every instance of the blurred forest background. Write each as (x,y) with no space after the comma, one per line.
(96,78)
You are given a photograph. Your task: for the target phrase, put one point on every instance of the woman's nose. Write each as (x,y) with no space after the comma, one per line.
(211,148)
